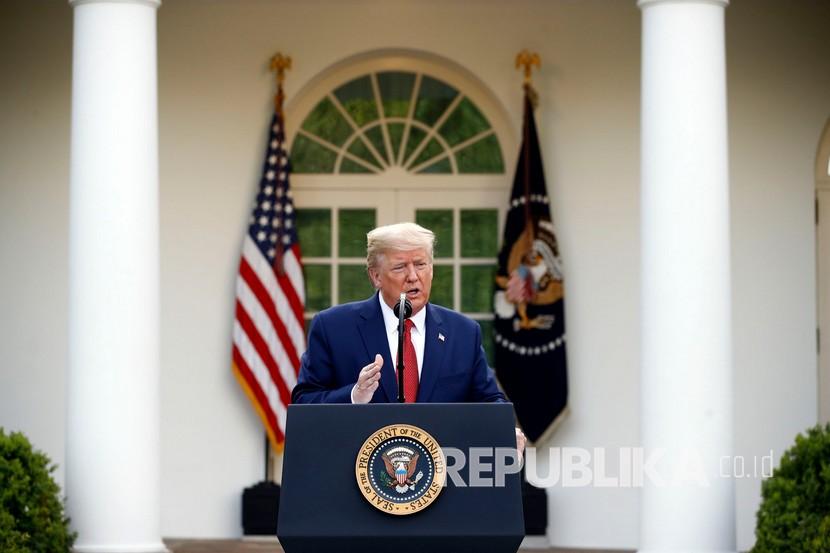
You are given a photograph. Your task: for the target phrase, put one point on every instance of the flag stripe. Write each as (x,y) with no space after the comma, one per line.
(266,304)
(265,273)
(262,352)
(260,374)
(288,282)
(252,387)
(265,327)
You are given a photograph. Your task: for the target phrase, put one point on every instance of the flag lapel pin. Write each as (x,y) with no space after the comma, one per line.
(441,337)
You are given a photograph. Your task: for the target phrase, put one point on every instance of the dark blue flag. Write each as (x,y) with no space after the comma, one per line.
(530,358)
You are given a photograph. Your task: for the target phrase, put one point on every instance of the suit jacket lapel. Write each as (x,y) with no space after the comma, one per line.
(433,354)
(373,332)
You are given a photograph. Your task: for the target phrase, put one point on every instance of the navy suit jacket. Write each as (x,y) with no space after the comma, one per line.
(345,338)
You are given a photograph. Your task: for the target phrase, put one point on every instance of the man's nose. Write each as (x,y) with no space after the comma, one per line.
(411,273)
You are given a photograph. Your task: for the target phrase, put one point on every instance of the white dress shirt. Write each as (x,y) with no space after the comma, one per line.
(418,333)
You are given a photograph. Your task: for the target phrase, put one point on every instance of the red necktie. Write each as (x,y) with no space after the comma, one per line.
(410,363)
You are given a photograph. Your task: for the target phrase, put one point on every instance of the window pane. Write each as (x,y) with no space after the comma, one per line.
(416,136)
(395,92)
(314,229)
(487,340)
(353,283)
(464,122)
(352,229)
(438,221)
(479,232)
(441,292)
(358,100)
(483,156)
(441,166)
(395,137)
(308,156)
(477,288)
(375,136)
(349,166)
(359,148)
(327,123)
(433,99)
(317,287)
(432,149)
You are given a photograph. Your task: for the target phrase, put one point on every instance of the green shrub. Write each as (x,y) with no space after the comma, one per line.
(795,509)
(31,512)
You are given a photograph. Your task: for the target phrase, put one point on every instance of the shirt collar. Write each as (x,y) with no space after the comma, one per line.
(419,319)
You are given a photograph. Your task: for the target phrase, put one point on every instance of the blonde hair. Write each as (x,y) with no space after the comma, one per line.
(401,237)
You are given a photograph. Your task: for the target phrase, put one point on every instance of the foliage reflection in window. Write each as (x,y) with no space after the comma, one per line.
(396,119)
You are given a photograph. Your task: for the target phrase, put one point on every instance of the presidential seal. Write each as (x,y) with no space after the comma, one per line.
(400,469)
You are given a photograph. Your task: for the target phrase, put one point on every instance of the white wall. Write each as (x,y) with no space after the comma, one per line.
(214,101)
(35,64)
(778,55)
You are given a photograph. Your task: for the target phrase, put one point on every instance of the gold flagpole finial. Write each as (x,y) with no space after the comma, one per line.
(279,64)
(527,60)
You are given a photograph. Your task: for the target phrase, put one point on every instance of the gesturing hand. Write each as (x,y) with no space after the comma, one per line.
(367,381)
(521,441)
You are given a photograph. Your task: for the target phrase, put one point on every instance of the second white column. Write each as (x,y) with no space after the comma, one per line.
(686,388)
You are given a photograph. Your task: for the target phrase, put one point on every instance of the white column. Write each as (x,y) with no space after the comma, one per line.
(686,401)
(112,457)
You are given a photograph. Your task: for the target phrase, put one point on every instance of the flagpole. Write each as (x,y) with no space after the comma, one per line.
(268,475)
(526,163)
(279,64)
(526,59)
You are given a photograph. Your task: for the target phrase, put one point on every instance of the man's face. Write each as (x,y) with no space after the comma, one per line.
(409,272)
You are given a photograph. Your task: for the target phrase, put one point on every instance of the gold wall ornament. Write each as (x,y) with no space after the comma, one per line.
(279,64)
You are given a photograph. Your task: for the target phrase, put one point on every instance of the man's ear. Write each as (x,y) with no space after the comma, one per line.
(374,277)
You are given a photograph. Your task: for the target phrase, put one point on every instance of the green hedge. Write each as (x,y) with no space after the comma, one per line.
(795,510)
(31,513)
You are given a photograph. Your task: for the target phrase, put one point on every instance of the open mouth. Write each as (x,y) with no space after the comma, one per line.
(413,292)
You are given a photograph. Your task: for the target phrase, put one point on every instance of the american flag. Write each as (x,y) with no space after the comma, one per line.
(268,334)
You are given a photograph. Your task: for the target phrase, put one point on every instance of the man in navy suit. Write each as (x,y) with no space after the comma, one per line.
(351,347)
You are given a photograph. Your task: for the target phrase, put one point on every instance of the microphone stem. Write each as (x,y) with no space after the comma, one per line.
(401,315)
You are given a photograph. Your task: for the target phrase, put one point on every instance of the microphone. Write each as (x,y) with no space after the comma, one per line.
(401,314)
(407,308)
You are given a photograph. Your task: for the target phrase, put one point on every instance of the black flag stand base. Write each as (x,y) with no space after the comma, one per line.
(535,504)
(261,503)
(260,508)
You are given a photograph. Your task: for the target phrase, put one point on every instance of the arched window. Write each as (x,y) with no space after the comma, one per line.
(396,119)
(400,136)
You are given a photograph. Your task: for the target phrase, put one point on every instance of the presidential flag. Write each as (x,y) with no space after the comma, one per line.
(268,334)
(529,326)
